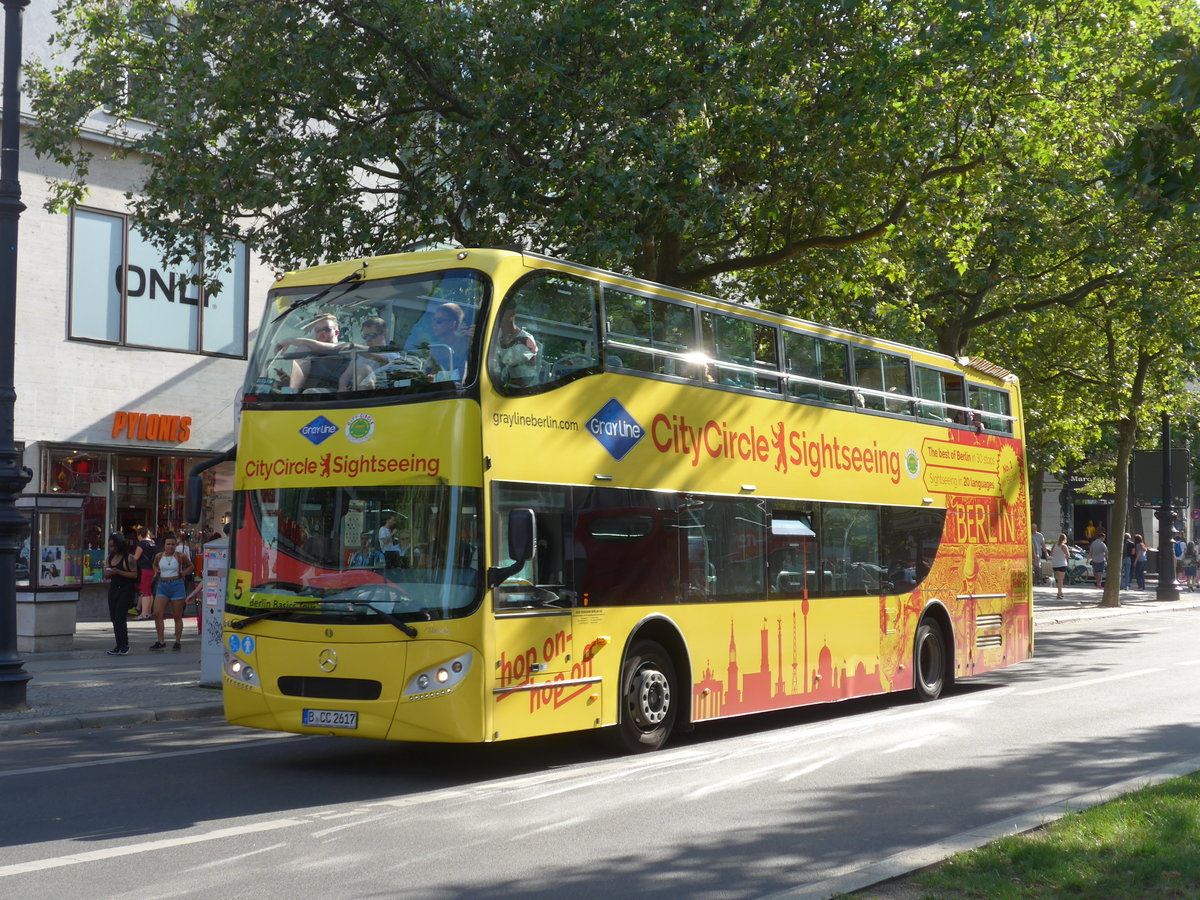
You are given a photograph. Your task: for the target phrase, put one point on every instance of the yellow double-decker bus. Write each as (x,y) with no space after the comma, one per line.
(484,495)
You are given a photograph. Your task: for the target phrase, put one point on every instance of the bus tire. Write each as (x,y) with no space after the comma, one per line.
(649,699)
(929,661)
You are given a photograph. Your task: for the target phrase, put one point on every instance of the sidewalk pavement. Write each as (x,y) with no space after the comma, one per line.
(86,688)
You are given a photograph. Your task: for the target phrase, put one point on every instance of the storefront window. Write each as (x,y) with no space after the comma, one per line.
(136,494)
(85,473)
(119,492)
(172,492)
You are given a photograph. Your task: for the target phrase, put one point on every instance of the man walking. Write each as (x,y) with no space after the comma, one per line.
(1098,551)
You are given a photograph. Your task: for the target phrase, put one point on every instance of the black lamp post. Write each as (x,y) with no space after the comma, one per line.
(1167,589)
(13,476)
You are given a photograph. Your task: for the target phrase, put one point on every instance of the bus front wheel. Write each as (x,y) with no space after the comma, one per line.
(649,699)
(929,661)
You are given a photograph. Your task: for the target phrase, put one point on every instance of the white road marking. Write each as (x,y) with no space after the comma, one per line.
(736,781)
(1089,682)
(224,861)
(810,768)
(73,859)
(166,754)
(913,744)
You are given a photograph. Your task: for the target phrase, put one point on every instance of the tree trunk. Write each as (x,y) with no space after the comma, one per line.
(1126,436)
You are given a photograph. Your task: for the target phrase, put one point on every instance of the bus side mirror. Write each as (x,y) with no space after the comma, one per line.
(522,535)
(522,542)
(195,499)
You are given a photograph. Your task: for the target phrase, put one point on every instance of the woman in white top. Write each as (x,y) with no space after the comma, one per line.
(1059,558)
(171,567)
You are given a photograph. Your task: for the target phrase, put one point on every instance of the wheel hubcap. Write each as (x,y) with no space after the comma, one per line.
(651,698)
(931,662)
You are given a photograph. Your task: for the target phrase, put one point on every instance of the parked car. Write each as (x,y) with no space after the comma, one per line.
(1079,568)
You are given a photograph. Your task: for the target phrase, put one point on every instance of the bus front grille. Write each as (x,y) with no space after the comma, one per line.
(329,688)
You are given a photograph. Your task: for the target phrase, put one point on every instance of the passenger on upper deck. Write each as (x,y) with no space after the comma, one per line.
(360,373)
(516,351)
(450,342)
(322,368)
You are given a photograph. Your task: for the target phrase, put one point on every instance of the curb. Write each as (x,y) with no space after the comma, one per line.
(116,717)
(1087,613)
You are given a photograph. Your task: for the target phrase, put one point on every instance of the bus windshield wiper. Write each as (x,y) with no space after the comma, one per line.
(268,614)
(356,275)
(388,617)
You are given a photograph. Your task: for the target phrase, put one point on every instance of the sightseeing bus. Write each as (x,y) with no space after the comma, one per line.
(484,495)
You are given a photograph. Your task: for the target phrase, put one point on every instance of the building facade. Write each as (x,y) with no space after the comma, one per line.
(125,374)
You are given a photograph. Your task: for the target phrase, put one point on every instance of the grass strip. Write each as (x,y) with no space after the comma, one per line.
(1145,845)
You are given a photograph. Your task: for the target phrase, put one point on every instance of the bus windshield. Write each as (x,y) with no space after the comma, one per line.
(386,336)
(412,552)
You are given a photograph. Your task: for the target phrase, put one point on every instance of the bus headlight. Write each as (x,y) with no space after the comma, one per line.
(240,671)
(439,678)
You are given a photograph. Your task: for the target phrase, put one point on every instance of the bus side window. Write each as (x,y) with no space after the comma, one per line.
(882,374)
(544,580)
(814,360)
(735,533)
(747,345)
(792,551)
(993,407)
(940,392)
(557,313)
(850,550)
(648,334)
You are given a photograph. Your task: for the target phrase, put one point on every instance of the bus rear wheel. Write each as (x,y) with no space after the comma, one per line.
(929,661)
(649,699)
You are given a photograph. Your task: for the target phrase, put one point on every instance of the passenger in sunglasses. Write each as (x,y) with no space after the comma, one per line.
(360,374)
(322,368)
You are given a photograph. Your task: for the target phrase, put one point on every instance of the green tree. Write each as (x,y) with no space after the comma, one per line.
(693,144)
(1096,377)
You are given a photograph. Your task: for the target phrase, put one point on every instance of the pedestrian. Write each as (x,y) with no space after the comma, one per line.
(1098,551)
(1060,556)
(1126,561)
(366,557)
(1038,541)
(1139,561)
(1191,562)
(1179,546)
(171,567)
(387,543)
(121,572)
(144,556)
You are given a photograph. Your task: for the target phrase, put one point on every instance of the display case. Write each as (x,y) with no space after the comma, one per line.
(52,555)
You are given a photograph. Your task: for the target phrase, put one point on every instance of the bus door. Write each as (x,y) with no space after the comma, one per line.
(533,691)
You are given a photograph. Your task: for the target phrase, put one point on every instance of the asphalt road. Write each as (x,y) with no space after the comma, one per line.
(775,804)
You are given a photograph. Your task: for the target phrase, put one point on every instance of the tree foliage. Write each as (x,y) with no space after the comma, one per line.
(696,144)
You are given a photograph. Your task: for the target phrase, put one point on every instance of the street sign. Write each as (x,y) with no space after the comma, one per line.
(1148,478)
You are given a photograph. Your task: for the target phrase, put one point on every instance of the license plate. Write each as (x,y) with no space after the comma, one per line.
(330,718)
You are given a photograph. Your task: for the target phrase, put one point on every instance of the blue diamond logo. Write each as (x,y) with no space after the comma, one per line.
(615,429)
(319,429)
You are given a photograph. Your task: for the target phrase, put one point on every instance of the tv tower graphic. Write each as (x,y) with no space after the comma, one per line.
(795,663)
